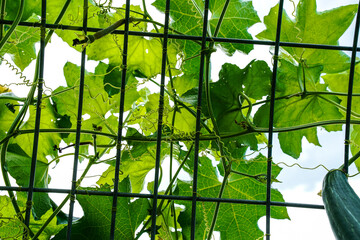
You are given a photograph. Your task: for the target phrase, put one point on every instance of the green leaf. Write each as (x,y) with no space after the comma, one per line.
(30,8)
(7,114)
(97,103)
(147,117)
(299,110)
(339,83)
(21,45)
(167,218)
(144,55)
(18,164)
(166,223)
(95,224)
(187,18)
(225,95)
(311,26)
(253,81)
(184,83)
(12,228)
(235,221)
(239,17)
(136,162)
(46,140)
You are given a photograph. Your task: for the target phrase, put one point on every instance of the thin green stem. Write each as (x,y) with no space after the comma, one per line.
(7,183)
(247,118)
(221,18)
(133,11)
(58,209)
(143,229)
(161,25)
(204,137)
(355,114)
(5,143)
(53,94)
(12,97)
(14,25)
(172,181)
(65,155)
(256,177)
(191,111)
(352,159)
(57,130)
(20,116)
(300,94)
(168,189)
(217,207)
(224,159)
(331,93)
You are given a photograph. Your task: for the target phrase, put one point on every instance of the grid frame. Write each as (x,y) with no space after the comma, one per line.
(166,36)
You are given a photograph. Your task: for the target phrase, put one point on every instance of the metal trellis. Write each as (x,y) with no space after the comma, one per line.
(165,36)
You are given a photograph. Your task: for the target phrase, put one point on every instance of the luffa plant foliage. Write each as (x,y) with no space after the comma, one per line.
(306,98)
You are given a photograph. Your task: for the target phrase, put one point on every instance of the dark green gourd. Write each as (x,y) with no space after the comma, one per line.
(342,206)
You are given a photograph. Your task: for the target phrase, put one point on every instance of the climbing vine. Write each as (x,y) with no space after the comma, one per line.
(224,153)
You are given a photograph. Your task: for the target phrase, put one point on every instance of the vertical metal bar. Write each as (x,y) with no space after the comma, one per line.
(160,120)
(121,119)
(2,16)
(78,125)
(350,91)
(198,116)
(271,119)
(37,116)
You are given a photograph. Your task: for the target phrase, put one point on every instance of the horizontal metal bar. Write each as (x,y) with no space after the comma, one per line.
(205,137)
(169,197)
(191,37)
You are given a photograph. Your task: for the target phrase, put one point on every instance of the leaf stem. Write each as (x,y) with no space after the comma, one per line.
(58,209)
(256,177)
(248,114)
(191,111)
(224,159)
(217,207)
(167,189)
(161,25)
(352,159)
(204,137)
(221,18)
(299,94)
(15,23)
(340,107)
(65,155)
(20,116)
